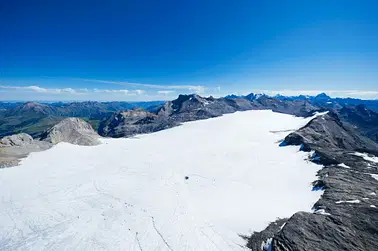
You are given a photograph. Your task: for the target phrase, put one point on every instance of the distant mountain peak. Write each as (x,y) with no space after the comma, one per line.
(322,96)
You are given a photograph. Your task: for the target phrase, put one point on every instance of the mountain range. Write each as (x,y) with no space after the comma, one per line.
(123,119)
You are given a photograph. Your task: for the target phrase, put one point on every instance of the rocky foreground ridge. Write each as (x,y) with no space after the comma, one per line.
(346,216)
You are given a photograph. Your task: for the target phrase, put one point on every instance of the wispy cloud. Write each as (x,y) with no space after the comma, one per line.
(192,88)
(38,89)
(72,91)
(111,91)
(167,92)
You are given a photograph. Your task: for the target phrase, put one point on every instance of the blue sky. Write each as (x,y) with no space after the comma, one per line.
(148,50)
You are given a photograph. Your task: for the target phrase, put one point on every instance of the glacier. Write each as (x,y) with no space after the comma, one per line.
(199,186)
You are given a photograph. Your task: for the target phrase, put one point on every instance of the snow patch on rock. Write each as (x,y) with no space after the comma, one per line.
(367,157)
(348,201)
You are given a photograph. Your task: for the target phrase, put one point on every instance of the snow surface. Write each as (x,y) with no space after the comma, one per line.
(131,194)
(321,211)
(375,176)
(367,157)
(321,113)
(348,201)
(343,165)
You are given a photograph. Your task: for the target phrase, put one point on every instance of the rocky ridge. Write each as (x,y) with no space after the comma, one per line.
(194,107)
(346,216)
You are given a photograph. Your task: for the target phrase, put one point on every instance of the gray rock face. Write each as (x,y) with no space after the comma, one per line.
(72,130)
(362,119)
(20,139)
(136,121)
(328,131)
(344,218)
(15,147)
(193,107)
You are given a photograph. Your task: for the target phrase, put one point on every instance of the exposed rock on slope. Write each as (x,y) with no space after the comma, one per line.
(20,139)
(72,130)
(193,107)
(363,119)
(302,108)
(15,147)
(327,131)
(136,121)
(346,217)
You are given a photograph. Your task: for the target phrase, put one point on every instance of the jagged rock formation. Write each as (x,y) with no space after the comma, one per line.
(20,139)
(72,130)
(346,217)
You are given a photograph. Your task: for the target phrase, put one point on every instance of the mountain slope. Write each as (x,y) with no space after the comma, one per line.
(345,218)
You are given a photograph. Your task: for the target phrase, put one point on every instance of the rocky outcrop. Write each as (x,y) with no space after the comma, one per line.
(346,216)
(362,119)
(15,147)
(136,121)
(72,130)
(302,108)
(20,139)
(194,107)
(328,132)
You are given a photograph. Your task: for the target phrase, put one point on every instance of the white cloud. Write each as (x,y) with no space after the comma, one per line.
(165,92)
(36,88)
(193,88)
(67,90)
(111,91)
(138,92)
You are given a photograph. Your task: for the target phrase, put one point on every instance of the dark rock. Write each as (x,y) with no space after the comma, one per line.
(136,121)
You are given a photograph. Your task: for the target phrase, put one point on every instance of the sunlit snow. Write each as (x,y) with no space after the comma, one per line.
(367,157)
(343,165)
(348,201)
(132,194)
